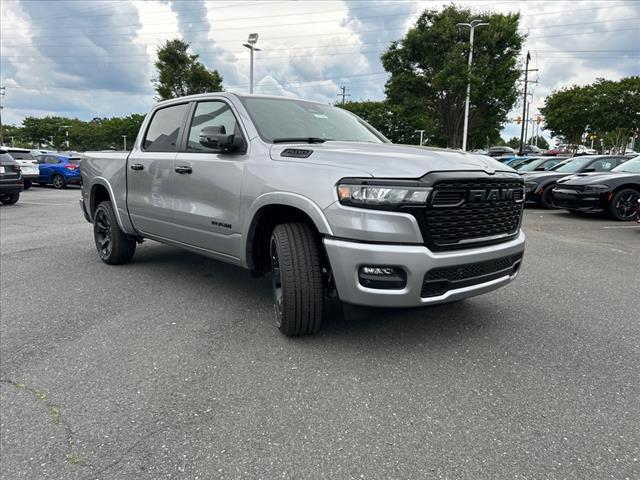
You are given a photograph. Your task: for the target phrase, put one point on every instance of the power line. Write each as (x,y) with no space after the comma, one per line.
(313,12)
(237,86)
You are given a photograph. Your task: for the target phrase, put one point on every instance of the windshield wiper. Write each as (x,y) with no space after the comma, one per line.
(301,140)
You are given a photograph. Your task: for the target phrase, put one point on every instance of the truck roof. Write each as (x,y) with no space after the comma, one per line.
(201,96)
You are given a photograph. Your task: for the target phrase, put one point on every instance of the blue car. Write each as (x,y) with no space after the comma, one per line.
(59,170)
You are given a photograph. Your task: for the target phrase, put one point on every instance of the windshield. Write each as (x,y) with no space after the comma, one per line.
(574,165)
(277,118)
(630,166)
(74,161)
(541,162)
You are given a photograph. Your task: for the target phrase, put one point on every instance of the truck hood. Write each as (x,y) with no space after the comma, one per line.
(385,160)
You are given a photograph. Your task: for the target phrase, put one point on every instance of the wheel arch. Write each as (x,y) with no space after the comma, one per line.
(100,191)
(270,210)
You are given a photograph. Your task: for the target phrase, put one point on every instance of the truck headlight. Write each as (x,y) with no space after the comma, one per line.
(380,194)
(530,186)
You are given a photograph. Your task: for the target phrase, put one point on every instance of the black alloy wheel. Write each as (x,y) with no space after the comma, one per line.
(276,282)
(103,234)
(624,204)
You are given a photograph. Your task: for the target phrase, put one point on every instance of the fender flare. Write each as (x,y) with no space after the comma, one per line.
(300,202)
(105,183)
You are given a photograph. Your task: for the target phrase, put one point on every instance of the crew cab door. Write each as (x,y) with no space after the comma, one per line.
(150,173)
(207,183)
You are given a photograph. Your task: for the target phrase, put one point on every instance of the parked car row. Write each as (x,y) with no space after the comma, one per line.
(46,168)
(607,184)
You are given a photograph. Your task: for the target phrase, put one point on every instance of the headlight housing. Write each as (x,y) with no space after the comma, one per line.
(530,186)
(382,194)
(597,188)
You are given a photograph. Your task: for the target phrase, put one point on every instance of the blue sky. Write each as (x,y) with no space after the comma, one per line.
(86,59)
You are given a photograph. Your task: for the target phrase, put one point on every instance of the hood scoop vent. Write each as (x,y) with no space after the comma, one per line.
(296,153)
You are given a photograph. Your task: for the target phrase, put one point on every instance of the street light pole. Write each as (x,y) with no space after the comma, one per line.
(251,45)
(421,134)
(124,140)
(472,27)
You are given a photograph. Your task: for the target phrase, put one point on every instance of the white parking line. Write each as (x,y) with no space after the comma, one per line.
(625,226)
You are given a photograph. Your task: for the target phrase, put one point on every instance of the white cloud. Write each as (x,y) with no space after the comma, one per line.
(96,59)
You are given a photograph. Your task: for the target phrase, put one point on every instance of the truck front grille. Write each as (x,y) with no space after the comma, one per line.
(464,214)
(440,280)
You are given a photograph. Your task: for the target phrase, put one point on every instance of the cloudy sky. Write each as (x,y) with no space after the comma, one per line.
(95,58)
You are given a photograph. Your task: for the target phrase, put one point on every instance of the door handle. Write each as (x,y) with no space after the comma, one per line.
(137,166)
(183,169)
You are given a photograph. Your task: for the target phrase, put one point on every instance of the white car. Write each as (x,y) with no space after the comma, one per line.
(28,165)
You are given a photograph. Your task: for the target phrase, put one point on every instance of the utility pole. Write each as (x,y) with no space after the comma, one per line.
(526,119)
(472,27)
(524,106)
(421,135)
(124,140)
(2,92)
(343,93)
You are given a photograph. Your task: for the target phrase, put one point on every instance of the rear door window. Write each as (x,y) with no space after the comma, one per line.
(164,129)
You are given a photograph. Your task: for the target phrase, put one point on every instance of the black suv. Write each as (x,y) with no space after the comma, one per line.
(11,183)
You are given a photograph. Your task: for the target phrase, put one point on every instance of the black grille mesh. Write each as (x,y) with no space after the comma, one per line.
(439,280)
(452,222)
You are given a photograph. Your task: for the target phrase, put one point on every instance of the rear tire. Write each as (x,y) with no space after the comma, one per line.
(114,247)
(296,277)
(59,182)
(624,205)
(10,199)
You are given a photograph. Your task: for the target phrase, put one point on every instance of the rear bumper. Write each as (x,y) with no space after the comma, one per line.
(10,187)
(347,257)
(579,201)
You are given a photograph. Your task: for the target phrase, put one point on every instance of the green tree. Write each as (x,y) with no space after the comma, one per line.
(609,109)
(385,118)
(537,140)
(180,73)
(513,142)
(429,74)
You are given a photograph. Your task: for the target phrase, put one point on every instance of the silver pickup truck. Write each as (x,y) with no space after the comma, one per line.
(312,195)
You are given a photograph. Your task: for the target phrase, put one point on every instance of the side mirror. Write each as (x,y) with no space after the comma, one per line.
(217,138)
(539,169)
(589,169)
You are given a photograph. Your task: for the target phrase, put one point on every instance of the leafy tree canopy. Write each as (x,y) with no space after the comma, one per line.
(606,108)
(429,74)
(180,73)
(385,118)
(96,134)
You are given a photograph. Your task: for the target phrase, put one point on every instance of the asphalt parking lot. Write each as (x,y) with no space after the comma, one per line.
(170,367)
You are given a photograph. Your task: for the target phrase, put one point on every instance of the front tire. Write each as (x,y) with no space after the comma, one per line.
(114,247)
(546,197)
(10,199)
(624,204)
(59,182)
(296,279)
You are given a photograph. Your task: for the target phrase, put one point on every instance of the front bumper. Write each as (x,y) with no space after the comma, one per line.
(346,258)
(579,201)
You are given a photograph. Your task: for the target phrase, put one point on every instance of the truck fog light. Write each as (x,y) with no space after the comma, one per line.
(382,277)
